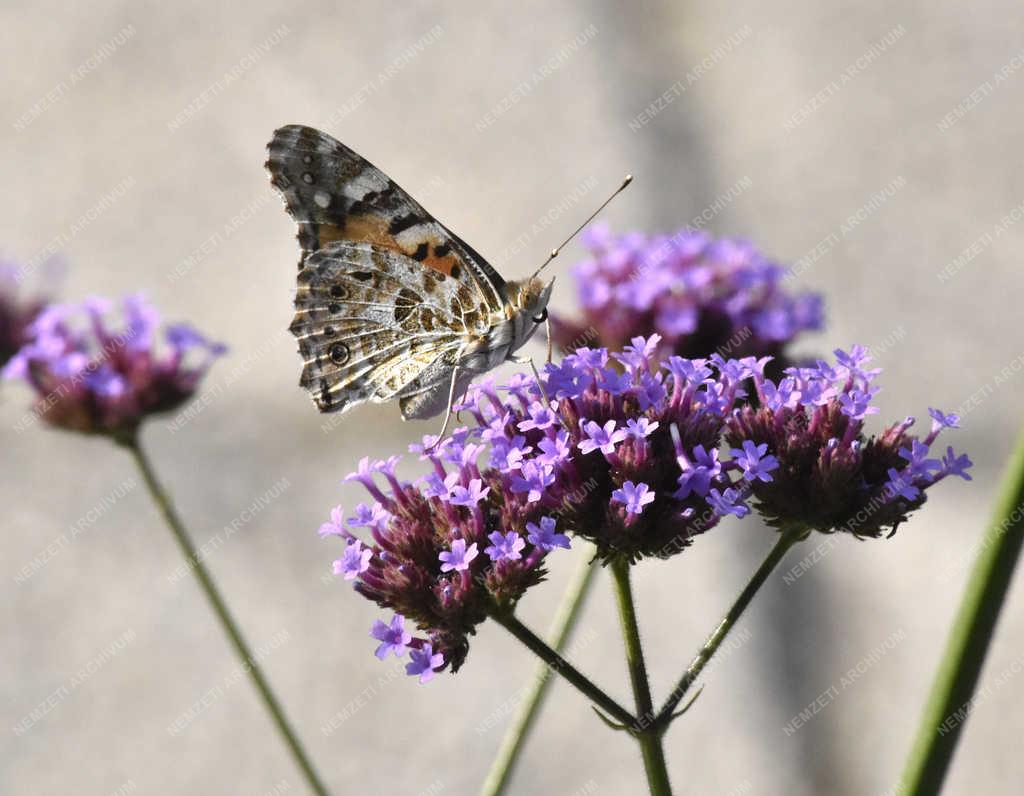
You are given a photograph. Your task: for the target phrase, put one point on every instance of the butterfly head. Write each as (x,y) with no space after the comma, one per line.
(529,301)
(530,298)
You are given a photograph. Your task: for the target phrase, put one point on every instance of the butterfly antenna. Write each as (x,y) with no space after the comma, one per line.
(554,252)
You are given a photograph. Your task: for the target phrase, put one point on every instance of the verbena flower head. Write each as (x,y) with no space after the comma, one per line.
(637,457)
(701,295)
(93,376)
(807,462)
(16,313)
(598,460)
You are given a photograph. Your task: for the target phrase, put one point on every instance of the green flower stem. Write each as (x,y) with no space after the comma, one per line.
(228,623)
(537,689)
(649,736)
(559,664)
(787,538)
(969,638)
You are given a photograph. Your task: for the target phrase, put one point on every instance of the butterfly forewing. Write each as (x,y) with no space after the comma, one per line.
(336,195)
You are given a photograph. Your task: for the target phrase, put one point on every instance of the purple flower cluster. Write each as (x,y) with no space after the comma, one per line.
(93,377)
(16,313)
(627,453)
(699,294)
(442,552)
(825,474)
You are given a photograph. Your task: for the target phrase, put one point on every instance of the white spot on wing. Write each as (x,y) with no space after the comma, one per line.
(368,181)
(322,199)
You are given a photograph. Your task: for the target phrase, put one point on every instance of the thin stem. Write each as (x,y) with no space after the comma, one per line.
(537,688)
(560,665)
(653,753)
(647,734)
(949,702)
(631,637)
(228,624)
(787,539)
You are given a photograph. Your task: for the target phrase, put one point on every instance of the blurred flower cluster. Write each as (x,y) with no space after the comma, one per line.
(628,453)
(93,376)
(701,295)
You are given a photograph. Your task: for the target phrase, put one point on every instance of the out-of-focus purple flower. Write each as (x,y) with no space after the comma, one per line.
(601,438)
(918,463)
(354,561)
(435,486)
(393,637)
(753,461)
(534,478)
(727,501)
(424,662)
(640,429)
(544,536)
(634,496)
(855,403)
(942,420)
(505,546)
(541,417)
(459,557)
(900,484)
(468,496)
(956,465)
(95,377)
(373,516)
(699,294)
(698,471)
(336,526)
(555,450)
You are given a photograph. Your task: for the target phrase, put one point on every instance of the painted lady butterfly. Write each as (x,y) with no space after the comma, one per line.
(390,303)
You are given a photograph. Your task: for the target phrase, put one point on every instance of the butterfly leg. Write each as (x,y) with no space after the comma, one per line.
(547,325)
(529,361)
(451,400)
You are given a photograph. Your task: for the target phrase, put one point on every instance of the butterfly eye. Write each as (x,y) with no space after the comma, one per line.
(542,317)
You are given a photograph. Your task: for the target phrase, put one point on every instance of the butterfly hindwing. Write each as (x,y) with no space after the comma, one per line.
(335,195)
(374,325)
(432,399)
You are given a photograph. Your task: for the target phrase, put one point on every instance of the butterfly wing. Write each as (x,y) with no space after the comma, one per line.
(335,195)
(433,399)
(375,325)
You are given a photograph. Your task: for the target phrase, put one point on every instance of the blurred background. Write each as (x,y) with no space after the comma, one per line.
(872,146)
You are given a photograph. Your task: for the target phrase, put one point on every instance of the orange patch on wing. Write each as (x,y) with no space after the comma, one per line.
(442,264)
(371,228)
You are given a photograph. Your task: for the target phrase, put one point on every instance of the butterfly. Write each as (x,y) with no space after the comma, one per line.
(390,303)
